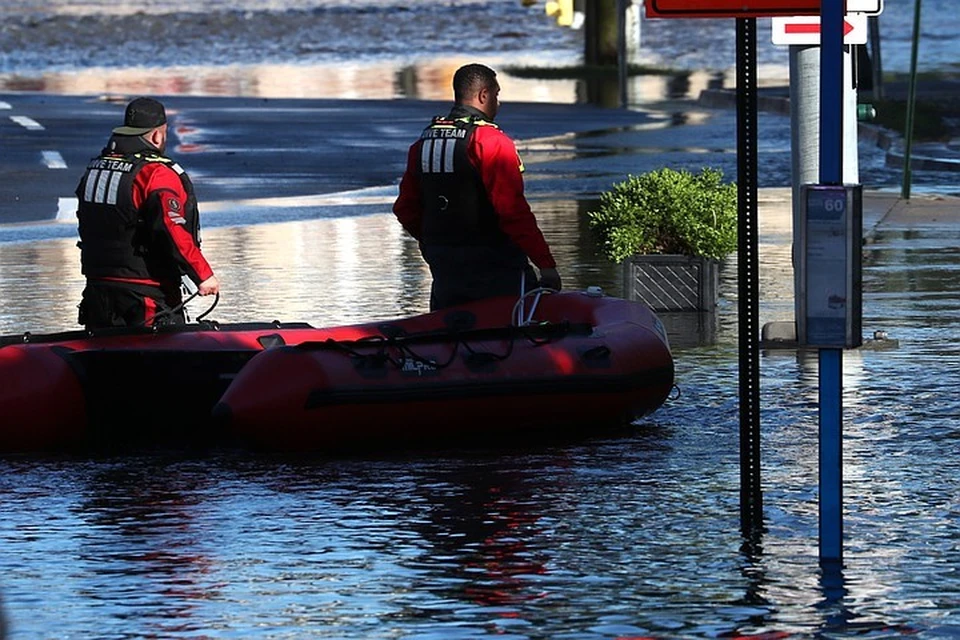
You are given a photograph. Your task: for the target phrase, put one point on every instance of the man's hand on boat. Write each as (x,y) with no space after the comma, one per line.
(550,279)
(209,287)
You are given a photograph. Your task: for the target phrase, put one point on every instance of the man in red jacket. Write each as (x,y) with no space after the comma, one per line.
(462,198)
(139,227)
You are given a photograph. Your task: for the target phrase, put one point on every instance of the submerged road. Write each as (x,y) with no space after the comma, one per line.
(249,150)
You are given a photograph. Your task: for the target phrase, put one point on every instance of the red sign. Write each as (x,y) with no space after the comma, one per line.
(731,8)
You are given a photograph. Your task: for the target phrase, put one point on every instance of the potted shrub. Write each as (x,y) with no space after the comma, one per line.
(670,229)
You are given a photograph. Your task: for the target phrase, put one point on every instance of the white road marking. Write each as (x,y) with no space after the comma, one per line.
(5,105)
(365,196)
(67,210)
(53,160)
(27,123)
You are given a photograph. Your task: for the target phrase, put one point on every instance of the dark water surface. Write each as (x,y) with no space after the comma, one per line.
(632,535)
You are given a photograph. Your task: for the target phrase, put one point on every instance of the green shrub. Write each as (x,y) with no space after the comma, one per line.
(667,212)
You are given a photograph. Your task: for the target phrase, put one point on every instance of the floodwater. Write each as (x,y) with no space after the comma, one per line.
(631,536)
(621,537)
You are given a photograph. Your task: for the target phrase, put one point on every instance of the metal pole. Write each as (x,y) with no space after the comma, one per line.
(850,167)
(622,50)
(911,102)
(873,23)
(804,148)
(831,455)
(831,359)
(748,287)
(831,92)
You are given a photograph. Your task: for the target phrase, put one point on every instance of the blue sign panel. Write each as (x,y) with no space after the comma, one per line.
(826,254)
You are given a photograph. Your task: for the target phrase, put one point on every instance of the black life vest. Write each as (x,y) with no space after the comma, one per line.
(115,239)
(456,208)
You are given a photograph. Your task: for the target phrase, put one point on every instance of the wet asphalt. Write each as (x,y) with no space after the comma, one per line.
(248,154)
(240,149)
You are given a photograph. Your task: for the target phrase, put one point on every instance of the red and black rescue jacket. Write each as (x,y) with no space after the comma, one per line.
(456,209)
(463,188)
(138,218)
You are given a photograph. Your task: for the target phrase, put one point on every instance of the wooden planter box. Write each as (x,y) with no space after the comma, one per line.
(672,283)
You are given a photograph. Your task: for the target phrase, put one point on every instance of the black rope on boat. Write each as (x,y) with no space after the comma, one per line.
(170,312)
(381,355)
(460,341)
(343,347)
(489,354)
(455,348)
(538,335)
(567,327)
(165,313)
(216,300)
(553,333)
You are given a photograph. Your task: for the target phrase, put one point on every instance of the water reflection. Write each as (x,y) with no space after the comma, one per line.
(382,80)
(324,271)
(689,329)
(379,80)
(487,519)
(148,551)
(337,268)
(40,286)
(756,607)
(633,536)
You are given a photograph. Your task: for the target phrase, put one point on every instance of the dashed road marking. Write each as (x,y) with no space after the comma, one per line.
(27,123)
(53,160)
(67,210)
(5,105)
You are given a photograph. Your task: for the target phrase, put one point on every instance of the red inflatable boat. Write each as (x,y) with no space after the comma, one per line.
(126,386)
(572,360)
(586,363)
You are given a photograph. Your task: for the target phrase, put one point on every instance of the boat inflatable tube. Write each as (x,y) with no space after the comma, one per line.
(586,363)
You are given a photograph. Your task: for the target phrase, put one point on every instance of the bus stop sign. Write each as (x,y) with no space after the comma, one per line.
(731,8)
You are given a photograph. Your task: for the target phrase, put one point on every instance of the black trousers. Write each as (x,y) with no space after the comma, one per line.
(114,304)
(465,274)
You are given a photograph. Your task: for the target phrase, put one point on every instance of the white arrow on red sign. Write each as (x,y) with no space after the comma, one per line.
(806,29)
